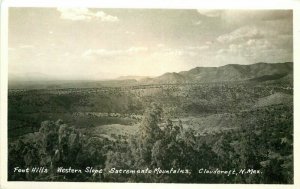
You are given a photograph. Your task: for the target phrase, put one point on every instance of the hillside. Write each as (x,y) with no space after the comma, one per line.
(230,72)
(277,98)
(169,78)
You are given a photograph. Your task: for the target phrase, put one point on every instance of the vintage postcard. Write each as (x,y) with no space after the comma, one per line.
(148,95)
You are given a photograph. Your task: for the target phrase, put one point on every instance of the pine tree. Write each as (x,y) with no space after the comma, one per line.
(149,131)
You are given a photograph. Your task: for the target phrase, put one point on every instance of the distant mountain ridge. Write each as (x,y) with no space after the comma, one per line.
(259,72)
(230,72)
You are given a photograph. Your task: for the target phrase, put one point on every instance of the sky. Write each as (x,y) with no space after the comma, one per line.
(89,43)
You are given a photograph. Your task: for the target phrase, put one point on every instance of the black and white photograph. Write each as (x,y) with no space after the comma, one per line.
(150,95)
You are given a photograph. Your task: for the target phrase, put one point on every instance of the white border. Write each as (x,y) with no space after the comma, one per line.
(179,4)
(166,4)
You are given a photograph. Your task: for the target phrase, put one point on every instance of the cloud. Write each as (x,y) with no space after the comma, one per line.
(160,50)
(244,16)
(160,45)
(130,33)
(26,46)
(114,53)
(189,51)
(257,50)
(245,33)
(77,14)
(198,48)
(252,47)
(136,49)
(171,52)
(260,36)
(197,23)
(210,13)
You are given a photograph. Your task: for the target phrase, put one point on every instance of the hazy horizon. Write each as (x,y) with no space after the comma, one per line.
(102,44)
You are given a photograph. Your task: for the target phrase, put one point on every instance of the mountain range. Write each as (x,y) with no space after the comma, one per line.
(230,72)
(259,72)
